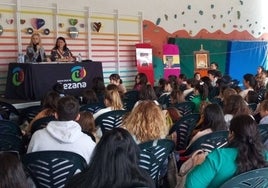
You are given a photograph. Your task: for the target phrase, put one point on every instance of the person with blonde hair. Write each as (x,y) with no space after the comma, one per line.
(146,122)
(112,101)
(35,52)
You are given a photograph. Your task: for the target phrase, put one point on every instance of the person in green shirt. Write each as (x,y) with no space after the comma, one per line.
(201,94)
(244,152)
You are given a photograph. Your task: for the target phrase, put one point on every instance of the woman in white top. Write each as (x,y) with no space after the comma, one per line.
(249,83)
(112,101)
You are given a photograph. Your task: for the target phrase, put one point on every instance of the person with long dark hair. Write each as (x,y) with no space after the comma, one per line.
(114,164)
(61,52)
(141,80)
(212,120)
(12,173)
(245,152)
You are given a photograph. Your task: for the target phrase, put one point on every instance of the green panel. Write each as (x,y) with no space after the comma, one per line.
(158,69)
(218,52)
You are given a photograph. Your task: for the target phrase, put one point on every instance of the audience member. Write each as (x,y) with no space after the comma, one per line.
(245,152)
(197,76)
(58,87)
(249,83)
(176,96)
(201,94)
(140,81)
(115,79)
(99,87)
(252,97)
(182,82)
(214,66)
(114,164)
(112,101)
(146,122)
(147,93)
(173,80)
(61,52)
(160,88)
(189,87)
(234,105)
(49,107)
(264,112)
(12,173)
(213,120)
(87,123)
(35,52)
(64,134)
(89,97)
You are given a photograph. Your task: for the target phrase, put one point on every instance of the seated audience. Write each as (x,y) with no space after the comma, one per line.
(214,66)
(176,96)
(64,134)
(249,83)
(140,81)
(87,123)
(189,87)
(213,120)
(264,112)
(49,106)
(99,87)
(244,152)
(115,79)
(201,94)
(252,97)
(114,164)
(112,101)
(159,89)
(12,172)
(89,97)
(146,122)
(147,93)
(234,105)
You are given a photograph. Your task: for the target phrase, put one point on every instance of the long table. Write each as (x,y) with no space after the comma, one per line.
(31,81)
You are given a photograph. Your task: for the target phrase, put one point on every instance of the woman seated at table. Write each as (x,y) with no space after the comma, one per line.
(60,52)
(35,52)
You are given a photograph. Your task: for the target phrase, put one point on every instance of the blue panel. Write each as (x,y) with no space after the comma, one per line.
(245,57)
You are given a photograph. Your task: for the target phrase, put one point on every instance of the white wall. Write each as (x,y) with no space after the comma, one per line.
(184,14)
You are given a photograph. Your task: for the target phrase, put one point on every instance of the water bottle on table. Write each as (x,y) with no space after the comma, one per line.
(21,58)
(79,58)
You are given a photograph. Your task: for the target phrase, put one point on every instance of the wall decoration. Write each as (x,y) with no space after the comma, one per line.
(73,21)
(1,30)
(29,31)
(82,25)
(96,26)
(201,59)
(46,31)
(22,21)
(61,25)
(73,32)
(37,23)
(10,21)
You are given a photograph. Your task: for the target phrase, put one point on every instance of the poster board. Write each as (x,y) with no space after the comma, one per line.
(201,62)
(144,60)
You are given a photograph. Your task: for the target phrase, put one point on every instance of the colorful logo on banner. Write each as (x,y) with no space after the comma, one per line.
(17,76)
(78,73)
